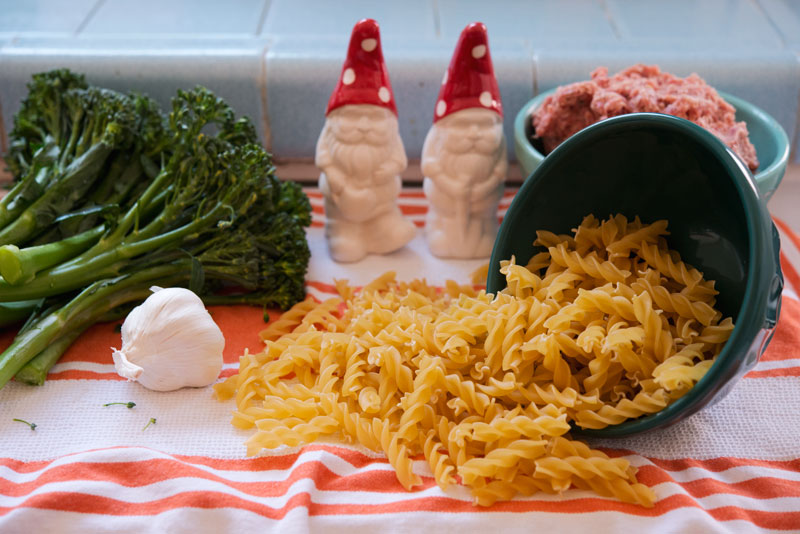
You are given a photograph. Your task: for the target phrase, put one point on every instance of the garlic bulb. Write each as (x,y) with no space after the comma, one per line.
(170,341)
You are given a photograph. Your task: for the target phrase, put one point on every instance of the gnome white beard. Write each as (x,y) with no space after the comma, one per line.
(358,149)
(471,159)
(361,156)
(464,162)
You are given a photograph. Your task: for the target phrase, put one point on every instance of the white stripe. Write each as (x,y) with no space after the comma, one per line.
(179,485)
(731,475)
(332,461)
(342,467)
(84,366)
(777,364)
(789,292)
(683,520)
(792,255)
(297,520)
(102,368)
(320,294)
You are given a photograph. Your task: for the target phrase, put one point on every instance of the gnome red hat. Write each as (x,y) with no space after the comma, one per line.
(469,81)
(364,78)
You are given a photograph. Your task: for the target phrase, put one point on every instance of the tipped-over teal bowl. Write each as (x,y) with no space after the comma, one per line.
(767,136)
(662,167)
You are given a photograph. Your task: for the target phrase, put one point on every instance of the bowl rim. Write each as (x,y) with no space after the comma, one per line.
(762,174)
(751,316)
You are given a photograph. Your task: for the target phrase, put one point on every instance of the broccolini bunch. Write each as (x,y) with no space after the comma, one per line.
(112,197)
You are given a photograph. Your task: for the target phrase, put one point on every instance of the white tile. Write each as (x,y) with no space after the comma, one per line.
(159,67)
(693,25)
(43,16)
(197,17)
(574,23)
(407,20)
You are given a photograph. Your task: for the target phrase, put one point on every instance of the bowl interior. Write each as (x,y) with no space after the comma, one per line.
(643,165)
(656,167)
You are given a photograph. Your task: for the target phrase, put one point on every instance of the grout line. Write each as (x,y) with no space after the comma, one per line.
(534,69)
(437,21)
(262,82)
(757,5)
(89,16)
(3,135)
(796,136)
(263,17)
(610,19)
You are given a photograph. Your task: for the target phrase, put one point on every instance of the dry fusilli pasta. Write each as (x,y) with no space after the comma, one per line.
(606,325)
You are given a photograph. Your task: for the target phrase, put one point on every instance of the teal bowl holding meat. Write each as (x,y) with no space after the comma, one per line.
(662,167)
(768,138)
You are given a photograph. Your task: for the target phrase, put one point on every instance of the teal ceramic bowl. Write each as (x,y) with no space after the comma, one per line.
(662,167)
(767,136)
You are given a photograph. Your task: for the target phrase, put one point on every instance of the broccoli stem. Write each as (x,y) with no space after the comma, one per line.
(16,312)
(31,185)
(59,197)
(124,174)
(35,371)
(19,266)
(106,259)
(83,310)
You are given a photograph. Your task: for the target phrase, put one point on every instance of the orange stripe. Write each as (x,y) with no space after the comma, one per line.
(260,463)
(138,474)
(758,487)
(789,273)
(717,464)
(786,229)
(413,209)
(405,209)
(755,488)
(358,459)
(322,286)
(75,374)
(92,504)
(786,338)
(773,373)
(648,474)
(141,473)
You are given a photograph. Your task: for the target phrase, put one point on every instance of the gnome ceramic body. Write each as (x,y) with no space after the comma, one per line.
(464,155)
(361,156)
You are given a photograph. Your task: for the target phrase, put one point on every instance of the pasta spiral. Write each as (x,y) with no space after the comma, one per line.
(606,325)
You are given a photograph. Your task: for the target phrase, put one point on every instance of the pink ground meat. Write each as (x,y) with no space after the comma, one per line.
(640,88)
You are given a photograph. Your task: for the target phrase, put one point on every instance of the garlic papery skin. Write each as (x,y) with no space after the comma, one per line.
(170,341)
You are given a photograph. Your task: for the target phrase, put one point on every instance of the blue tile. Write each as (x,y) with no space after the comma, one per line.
(198,17)
(231,68)
(579,22)
(43,16)
(689,24)
(785,16)
(401,20)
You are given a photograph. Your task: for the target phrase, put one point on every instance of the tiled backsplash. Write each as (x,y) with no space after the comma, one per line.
(277,61)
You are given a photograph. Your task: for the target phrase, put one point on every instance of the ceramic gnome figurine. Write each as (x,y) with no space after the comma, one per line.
(464,155)
(361,156)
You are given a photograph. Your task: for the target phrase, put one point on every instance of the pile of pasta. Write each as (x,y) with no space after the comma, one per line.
(607,325)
